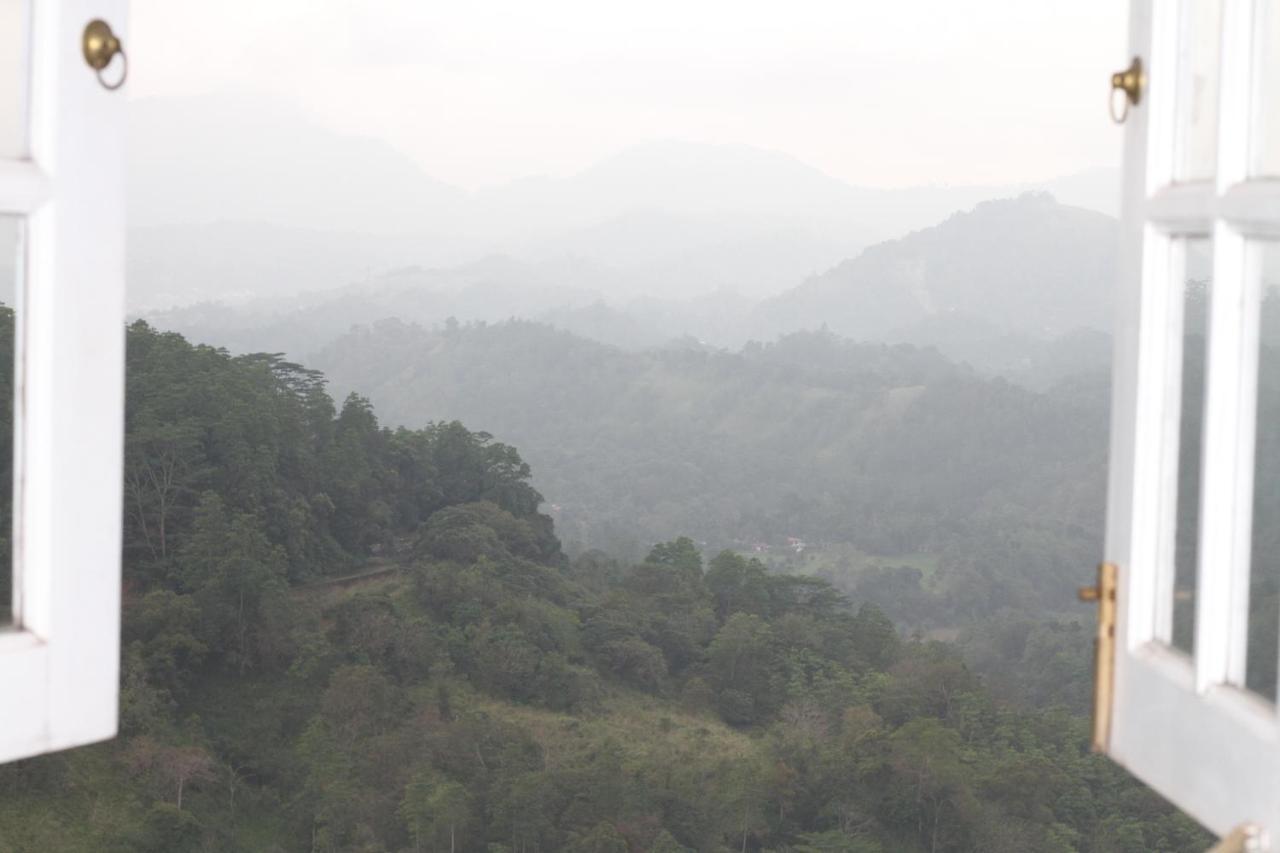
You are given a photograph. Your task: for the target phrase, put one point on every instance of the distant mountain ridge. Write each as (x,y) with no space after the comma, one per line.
(210,158)
(1016,287)
(263,184)
(1028,266)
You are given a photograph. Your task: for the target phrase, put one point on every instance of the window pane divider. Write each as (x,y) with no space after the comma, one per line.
(1161,413)
(1222,585)
(1183,208)
(25,187)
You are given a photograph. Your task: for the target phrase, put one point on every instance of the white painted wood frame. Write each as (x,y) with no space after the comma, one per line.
(59,661)
(1184,723)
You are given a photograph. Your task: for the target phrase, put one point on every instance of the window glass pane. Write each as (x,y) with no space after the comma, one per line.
(1265,139)
(1198,91)
(13,78)
(1264,586)
(10,270)
(1196,273)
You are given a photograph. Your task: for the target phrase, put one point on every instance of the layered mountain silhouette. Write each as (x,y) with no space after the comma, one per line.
(237,197)
(1018,287)
(1027,266)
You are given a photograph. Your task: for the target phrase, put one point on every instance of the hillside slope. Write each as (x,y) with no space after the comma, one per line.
(484,694)
(1027,266)
(892,449)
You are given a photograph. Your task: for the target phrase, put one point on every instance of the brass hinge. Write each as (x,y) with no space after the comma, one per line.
(1247,838)
(1103,592)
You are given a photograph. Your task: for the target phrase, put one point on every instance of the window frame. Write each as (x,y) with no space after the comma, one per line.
(1185,724)
(59,660)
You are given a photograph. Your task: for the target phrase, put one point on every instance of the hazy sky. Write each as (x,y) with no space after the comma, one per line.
(883,93)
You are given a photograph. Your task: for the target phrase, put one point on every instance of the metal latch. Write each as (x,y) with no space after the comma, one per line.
(1103,592)
(1128,85)
(1247,838)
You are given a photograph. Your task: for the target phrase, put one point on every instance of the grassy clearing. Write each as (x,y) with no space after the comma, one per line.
(841,561)
(648,731)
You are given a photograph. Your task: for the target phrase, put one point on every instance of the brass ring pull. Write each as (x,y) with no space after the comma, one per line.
(1127,83)
(100,47)
(1120,114)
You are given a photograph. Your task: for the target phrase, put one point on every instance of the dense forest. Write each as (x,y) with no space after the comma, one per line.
(343,637)
(945,495)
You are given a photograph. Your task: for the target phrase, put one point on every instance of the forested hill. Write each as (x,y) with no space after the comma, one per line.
(1026,266)
(891,452)
(217,439)
(339,637)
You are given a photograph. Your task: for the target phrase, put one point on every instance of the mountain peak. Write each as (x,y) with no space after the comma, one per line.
(1025,264)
